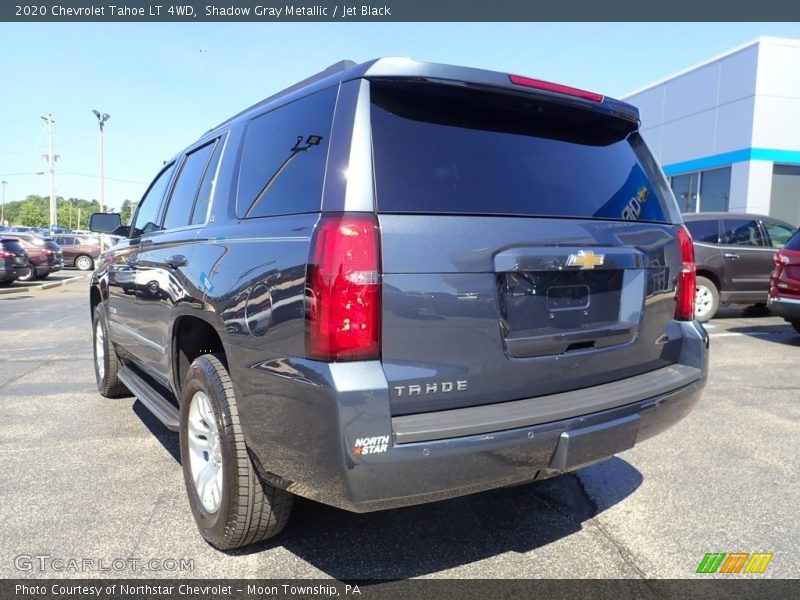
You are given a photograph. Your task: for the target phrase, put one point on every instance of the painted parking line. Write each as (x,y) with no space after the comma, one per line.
(736,334)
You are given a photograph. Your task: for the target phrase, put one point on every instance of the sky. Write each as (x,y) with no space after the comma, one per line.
(165,84)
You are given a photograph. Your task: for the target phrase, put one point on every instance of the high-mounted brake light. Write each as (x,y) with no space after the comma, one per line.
(343,289)
(555,87)
(686,283)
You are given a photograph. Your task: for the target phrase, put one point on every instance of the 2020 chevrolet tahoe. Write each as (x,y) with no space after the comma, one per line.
(399,282)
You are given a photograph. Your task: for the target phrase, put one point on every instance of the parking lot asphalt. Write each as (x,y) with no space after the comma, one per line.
(84,477)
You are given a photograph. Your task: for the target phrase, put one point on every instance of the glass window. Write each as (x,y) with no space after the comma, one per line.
(447,149)
(206,187)
(715,189)
(778,233)
(706,231)
(146,219)
(179,211)
(283,160)
(794,242)
(685,189)
(741,232)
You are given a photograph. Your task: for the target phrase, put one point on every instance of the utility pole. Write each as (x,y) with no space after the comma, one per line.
(3,205)
(101,120)
(51,158)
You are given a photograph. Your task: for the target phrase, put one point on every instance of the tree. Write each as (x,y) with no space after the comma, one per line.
(126,210)
(32,214)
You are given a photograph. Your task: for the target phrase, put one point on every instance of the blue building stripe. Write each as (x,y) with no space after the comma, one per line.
(728,158)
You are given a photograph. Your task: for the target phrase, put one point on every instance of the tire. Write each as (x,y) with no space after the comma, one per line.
(237,507)
(108,365)
(45,276)
(706,300)
(30,275)
(796,325)
(84,263)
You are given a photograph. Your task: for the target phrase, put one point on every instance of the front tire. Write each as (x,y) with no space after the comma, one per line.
(231,504)
(106,361)
(706,300)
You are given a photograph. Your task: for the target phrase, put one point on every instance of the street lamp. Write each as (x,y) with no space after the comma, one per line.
(101,120)
(3,205)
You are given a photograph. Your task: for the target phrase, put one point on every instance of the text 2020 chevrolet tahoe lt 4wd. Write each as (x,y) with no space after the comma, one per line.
(398,282)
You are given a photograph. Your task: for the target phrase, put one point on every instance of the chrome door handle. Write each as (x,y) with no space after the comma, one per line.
(731,256)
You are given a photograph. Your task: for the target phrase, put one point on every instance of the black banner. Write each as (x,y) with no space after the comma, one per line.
(397,10)
(729,588)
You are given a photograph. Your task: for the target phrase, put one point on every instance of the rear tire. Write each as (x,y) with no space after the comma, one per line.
(706,300)
(30,275)
(231,504)
(84,263)
(796,325)
(106,361)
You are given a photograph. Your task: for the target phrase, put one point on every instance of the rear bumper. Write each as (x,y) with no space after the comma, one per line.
(325,431)
(782,306)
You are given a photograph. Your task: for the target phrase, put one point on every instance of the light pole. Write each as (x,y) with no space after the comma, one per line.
(3,205)
(51,159)
(101,120)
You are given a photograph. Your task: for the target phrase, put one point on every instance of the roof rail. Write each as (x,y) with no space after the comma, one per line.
(338,67)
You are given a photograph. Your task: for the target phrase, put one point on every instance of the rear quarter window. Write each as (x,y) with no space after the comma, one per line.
(705,231)
(445,149)
(282,166)
(794,242)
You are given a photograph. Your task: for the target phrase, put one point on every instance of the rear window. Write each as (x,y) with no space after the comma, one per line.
(12,246)
(794,242)
(447,149)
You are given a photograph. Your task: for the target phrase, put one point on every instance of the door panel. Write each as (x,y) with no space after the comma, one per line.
(748,262)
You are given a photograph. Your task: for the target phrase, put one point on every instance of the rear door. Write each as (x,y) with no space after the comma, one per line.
(748,258)
(528,246)
(164,254)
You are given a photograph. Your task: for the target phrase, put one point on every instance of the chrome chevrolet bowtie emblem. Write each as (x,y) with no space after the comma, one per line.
(585,260)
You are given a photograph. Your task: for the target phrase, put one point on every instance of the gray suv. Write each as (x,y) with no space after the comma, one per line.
(399,282)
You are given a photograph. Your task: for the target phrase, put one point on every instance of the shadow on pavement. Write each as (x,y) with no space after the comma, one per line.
(780,334)
(429,538)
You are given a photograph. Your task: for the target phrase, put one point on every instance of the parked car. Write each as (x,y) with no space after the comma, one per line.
(734,254)
(13,260)
(80,252)
(540,315)
(44,256)
(784,288)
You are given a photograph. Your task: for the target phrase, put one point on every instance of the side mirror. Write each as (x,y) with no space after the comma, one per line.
(105,222)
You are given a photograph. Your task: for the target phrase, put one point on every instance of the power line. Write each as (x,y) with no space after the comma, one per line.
(109,178)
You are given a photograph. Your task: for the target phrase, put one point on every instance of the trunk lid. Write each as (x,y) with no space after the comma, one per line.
(528,247)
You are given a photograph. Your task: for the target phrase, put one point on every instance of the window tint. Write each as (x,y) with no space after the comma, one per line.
(66,241)
(778,233)
(741,232)
(207,187)
(283,160)
(179,210)
(146,220)
(706,231)
(443,149)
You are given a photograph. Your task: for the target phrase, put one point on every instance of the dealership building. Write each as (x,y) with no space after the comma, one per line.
(727,131)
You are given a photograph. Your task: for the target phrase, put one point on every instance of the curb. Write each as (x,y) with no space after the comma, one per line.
(43,286)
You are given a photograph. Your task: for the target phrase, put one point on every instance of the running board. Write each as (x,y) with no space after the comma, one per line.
(162,408)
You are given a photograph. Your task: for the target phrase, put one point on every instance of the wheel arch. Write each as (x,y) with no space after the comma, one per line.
(193,336)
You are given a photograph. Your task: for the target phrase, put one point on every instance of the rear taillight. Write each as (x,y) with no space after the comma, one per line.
(4,254)
(687,277)
(47,252)
(343,289)
(554,87)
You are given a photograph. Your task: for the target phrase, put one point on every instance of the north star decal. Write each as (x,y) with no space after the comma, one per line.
(371,445)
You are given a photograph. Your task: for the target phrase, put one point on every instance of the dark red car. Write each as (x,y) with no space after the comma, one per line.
(13,260)
(784,285)
(79,251)
(44,256)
